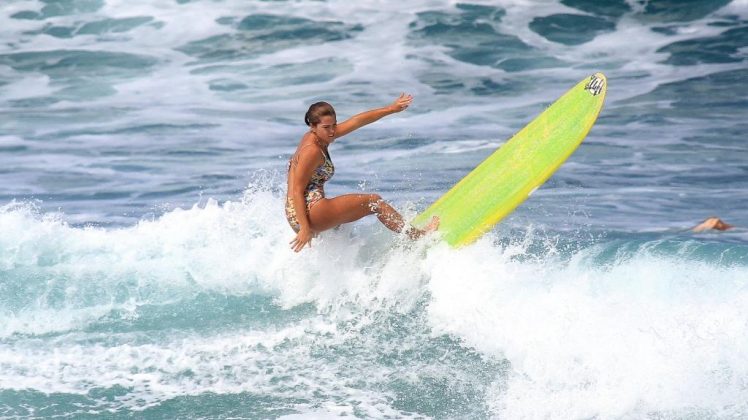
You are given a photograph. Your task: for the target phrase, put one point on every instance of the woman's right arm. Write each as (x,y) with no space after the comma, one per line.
(308,158)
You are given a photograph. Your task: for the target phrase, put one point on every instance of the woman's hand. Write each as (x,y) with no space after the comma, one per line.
(359,120)
(304,237)
(401,103)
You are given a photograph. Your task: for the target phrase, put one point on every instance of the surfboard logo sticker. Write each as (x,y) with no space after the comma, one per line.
(595,85)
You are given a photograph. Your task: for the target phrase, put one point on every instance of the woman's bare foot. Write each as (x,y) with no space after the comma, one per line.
(433,225)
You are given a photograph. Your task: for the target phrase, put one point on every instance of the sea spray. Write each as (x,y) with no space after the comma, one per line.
(644,332)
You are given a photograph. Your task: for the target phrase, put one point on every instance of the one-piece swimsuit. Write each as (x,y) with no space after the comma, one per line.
(313,192)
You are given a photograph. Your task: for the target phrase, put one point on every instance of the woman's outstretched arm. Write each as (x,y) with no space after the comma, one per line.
(359,120)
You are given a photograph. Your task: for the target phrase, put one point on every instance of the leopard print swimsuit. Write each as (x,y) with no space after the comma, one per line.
(313,192)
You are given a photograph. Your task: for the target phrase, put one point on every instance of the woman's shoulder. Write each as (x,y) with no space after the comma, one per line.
(309,148)
(308,142)
(308,138)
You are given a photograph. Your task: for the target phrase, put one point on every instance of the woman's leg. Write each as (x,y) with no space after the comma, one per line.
(328,213)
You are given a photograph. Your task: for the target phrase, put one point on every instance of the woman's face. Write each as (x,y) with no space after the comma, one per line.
(325,129)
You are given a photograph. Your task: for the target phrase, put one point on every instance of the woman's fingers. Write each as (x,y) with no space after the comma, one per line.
(297,244)
(300,246)
(403,101)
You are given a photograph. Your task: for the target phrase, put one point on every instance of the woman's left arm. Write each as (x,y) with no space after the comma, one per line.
(359,120)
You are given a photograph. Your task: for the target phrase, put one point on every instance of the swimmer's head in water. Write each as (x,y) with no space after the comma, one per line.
(712,223)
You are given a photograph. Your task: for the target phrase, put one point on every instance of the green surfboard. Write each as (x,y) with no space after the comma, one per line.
(508,176)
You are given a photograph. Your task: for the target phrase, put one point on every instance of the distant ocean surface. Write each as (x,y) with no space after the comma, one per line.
(145,267)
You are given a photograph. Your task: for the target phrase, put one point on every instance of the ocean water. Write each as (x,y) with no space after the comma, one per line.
(145,270)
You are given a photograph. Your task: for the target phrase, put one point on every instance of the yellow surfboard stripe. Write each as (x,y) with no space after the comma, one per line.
(508,176)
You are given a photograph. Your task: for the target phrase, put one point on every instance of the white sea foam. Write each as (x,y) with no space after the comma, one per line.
(273,363)
(645,332)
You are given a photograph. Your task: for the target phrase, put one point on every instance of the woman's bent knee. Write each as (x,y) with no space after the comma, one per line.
(374,202)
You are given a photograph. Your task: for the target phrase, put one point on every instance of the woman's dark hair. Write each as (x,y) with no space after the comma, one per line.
(317,111)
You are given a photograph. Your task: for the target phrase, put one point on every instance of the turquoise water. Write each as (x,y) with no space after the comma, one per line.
(144,262)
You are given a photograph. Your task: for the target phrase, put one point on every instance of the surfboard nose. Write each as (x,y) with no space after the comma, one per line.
(596,84)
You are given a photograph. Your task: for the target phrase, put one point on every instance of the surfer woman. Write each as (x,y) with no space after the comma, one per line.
(307,209)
